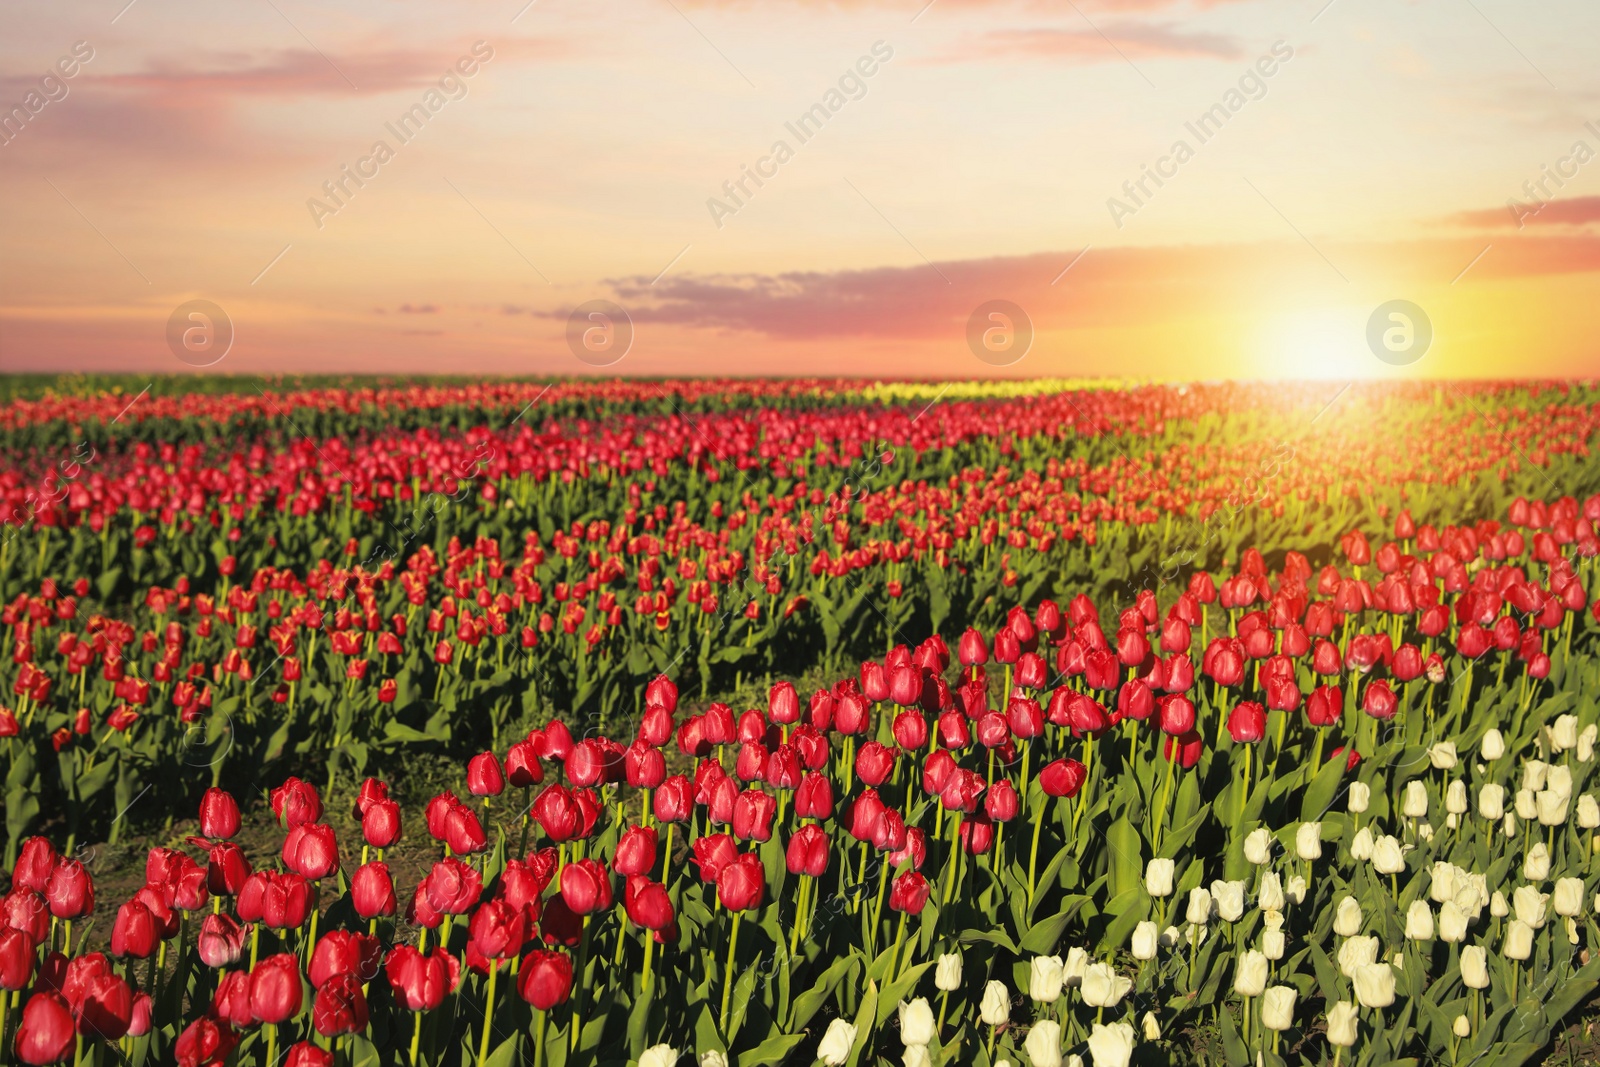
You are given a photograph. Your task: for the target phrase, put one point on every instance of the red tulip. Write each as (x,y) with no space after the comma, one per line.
(970,650)
(498,929)
(741,884)
(205,1043)
(341,952)
(420,982)
(977,834)
(16,959)
(46,1033)
(226,868)
(134,932)
(807,852)
(275,995)
(648,904)
(656,725)
(311,851)
(380,825)
(557,813)
(645,766)
(1379,700)
(1247,723)
(484,777)
(71,891)
(36,862)
(219,814)
(372,890)
(635,852)
(281,901)
(673,801)
(545,979)
(221,940)
(1185,749)
(908,893)
(586,887)
(1000,802)
(296,803)
(522,765)
(783,704)
(101,1002)
(1177,715)
(339,1008)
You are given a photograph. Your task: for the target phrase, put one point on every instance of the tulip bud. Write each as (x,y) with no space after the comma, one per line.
(219,814)
(1145,941)
(1258,846)
(1415,802)
(837,1043)
(1567,900)
(947,972)
(1419,921)
(1045,975)
(1518,941)
(1374,985)
(484,777)
(1271,898)
(545,979)
(1360,796)
(1347,917)
(1158,875)
(1277,1007)
(1111,1045)
(1103,987)
(995,1008)
(1228,899)
(1250,974)
(1343,1024)
(1308,841)
(1387,855)
(1475,967)
(1199,909)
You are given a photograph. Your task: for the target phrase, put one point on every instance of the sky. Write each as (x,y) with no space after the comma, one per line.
(1172,189)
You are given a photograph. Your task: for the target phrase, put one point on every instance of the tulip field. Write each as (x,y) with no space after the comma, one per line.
(733,723)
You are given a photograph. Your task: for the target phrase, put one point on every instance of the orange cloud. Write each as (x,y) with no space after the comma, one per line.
(1572,211)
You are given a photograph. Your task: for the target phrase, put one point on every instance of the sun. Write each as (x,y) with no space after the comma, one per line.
(1328,342)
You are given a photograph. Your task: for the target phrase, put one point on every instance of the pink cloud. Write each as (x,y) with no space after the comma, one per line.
(1134,40)
(1572,211)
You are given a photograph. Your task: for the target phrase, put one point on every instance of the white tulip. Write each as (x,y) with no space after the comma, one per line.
(916,1056)
(1519,940)
(1462,1027)
(1360,797)
(1452,923)
(916,1022)
(837,1043)
(1077,960)
(1272,944)
(1308,841)
(1586,742)
(658,1056)
(1567,901)
(1277,1007)
(947,972)
(1529,905)
(1361,845)
(713,1058)
(1474,967)
(1493,745)
(1387,855)
(1228,897)
(1171,938)
(1536,864)
(1572,932)
(1355,953)
(1415,803)
(1442,884)
(1455,798)
(1498,906)
(1271,896)
(1509,826)
(995,1009)
(1491,802)
(1425,831)
(1374,984)
(1145,940)
(1419,921)
(1443,756)
(1347,917)
(1151,1026)
(1552,808)
(1258,846)
(1045,975)
(1199,911)
(1111,1046)
(1564,733)
(1104,987)
(1295,889)
(1588,812)
(1533,773)
(1527,807)
(1343,1024)
(1250,974)
(1043,1044)
(1272,920)
(1158,877)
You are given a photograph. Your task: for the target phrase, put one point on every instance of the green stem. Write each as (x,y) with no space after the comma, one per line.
(727,978)
(488,1011)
